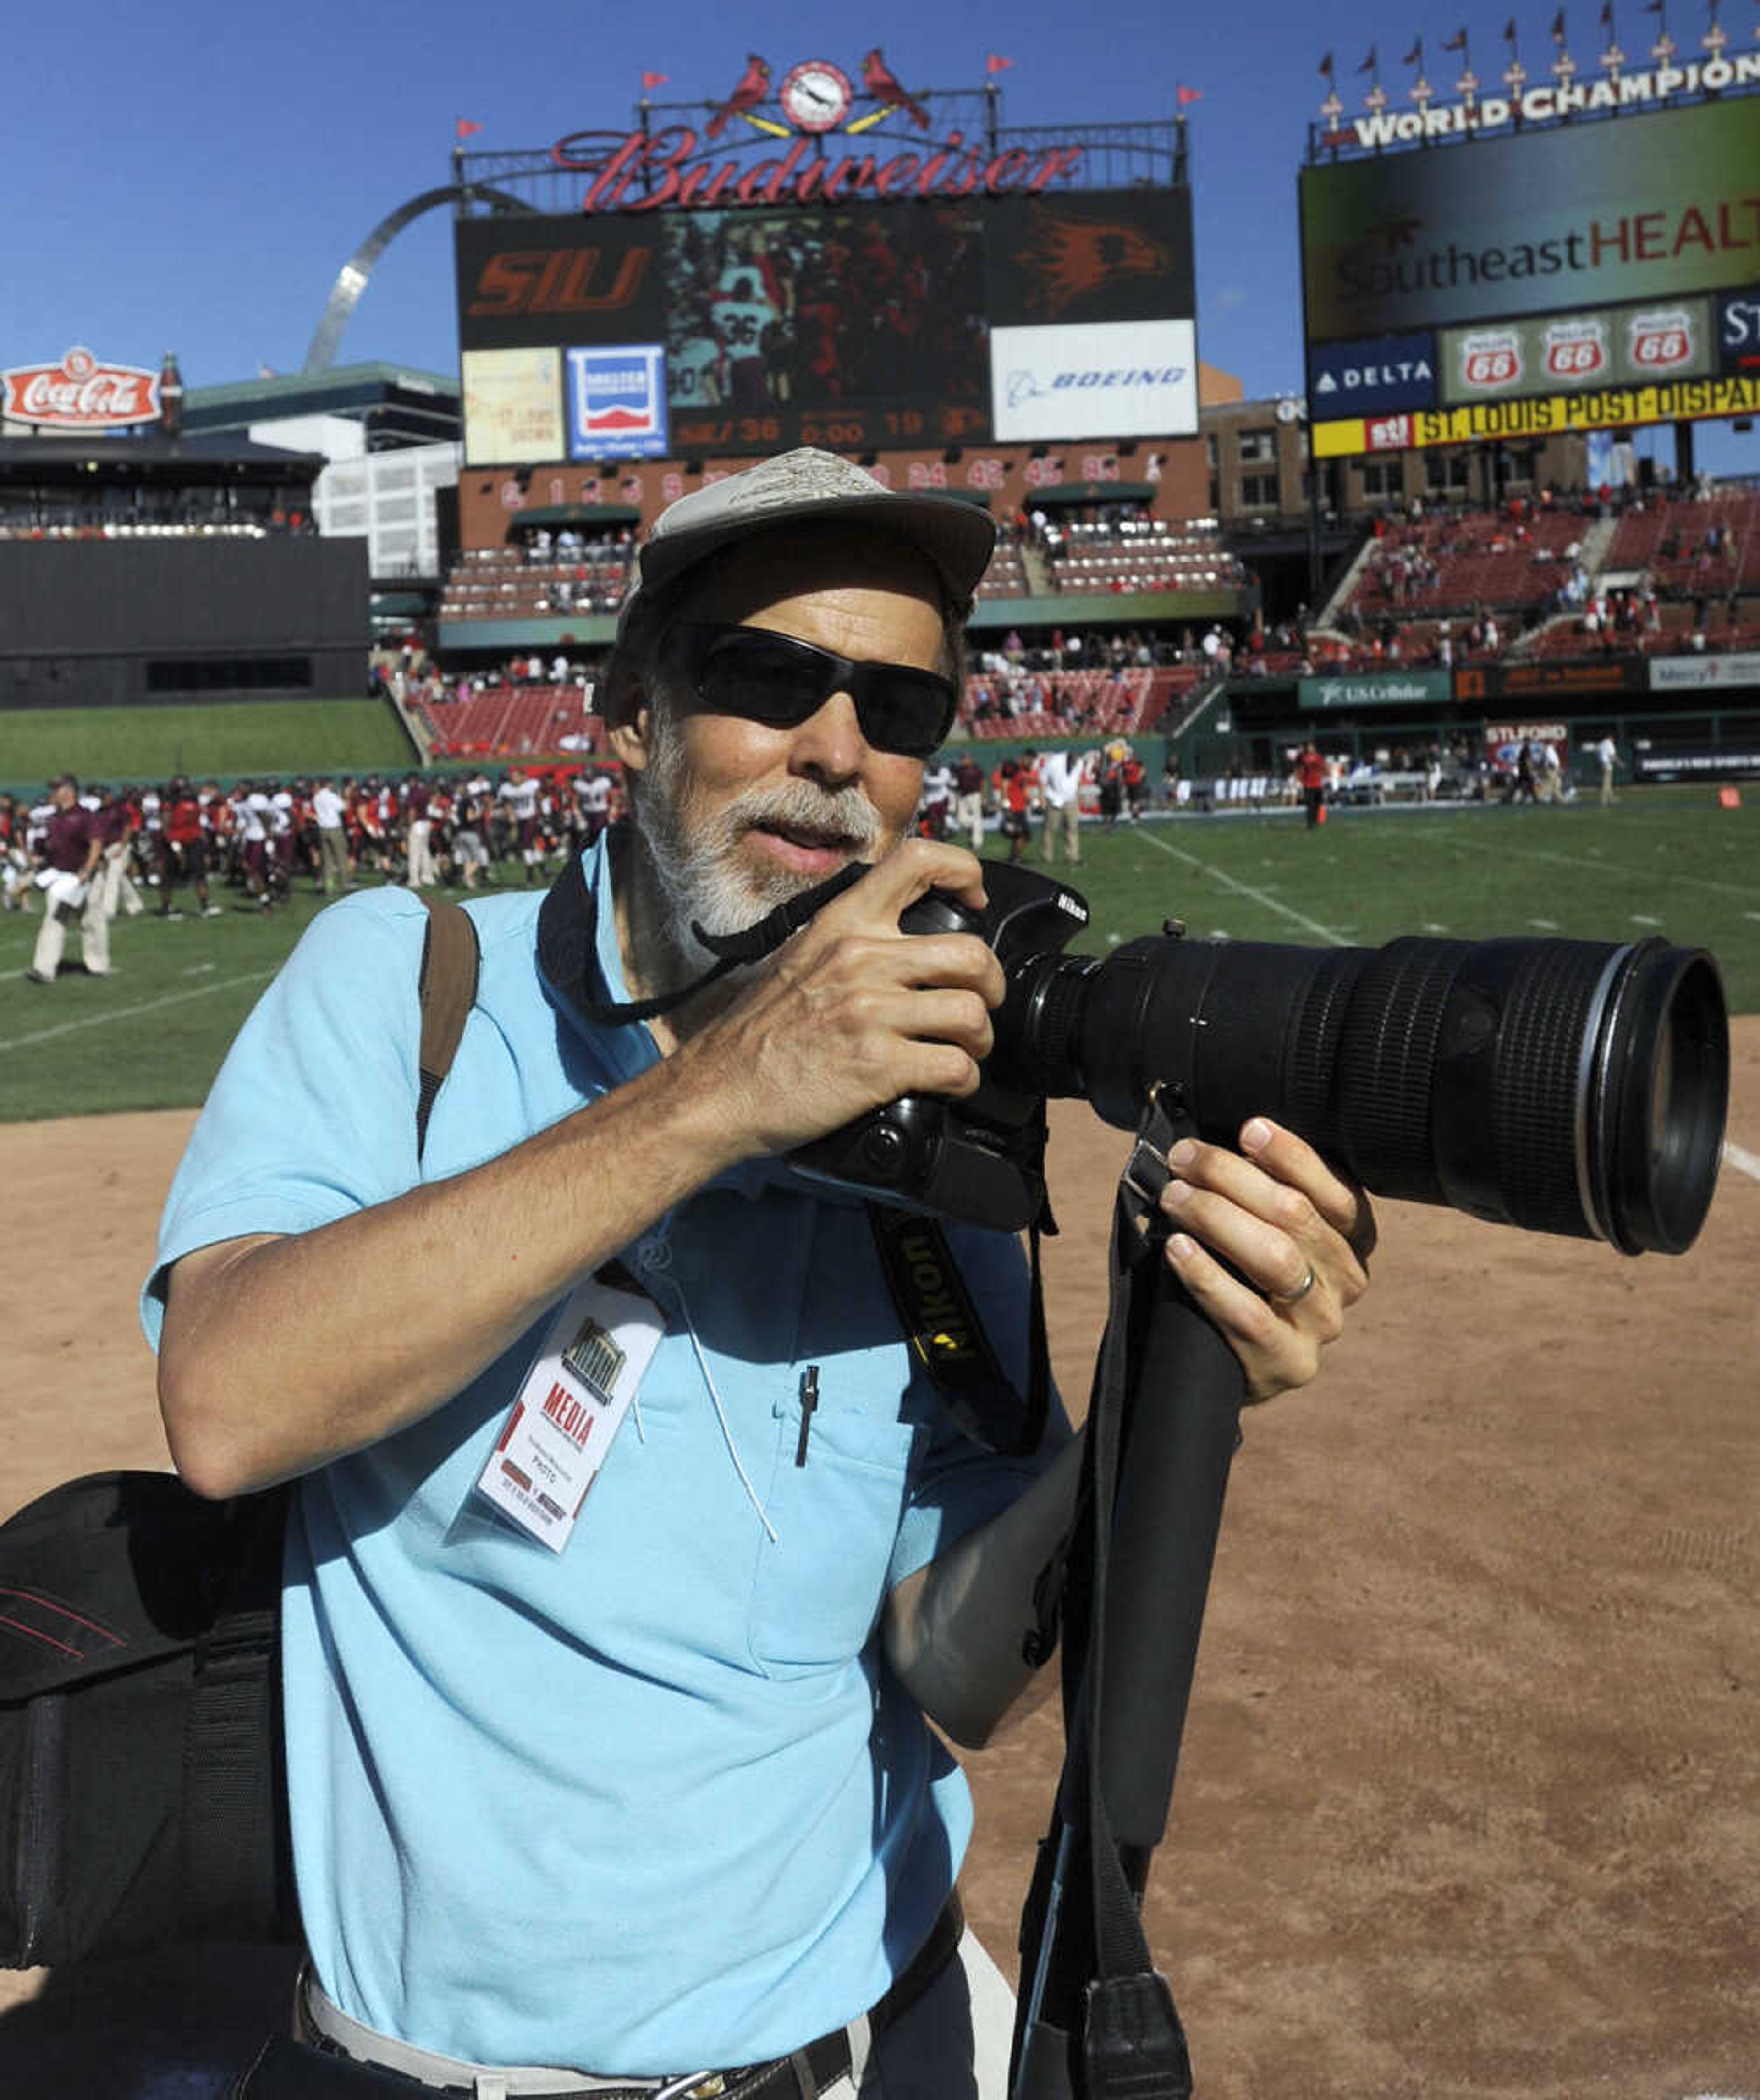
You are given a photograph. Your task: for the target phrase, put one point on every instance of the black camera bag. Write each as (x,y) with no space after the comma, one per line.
(143,1796)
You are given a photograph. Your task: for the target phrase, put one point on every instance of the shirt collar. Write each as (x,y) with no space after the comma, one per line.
(579,958)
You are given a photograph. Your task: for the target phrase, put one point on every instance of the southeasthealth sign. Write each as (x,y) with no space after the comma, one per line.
(648,172)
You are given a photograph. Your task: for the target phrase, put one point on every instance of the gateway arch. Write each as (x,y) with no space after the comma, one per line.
(351,279)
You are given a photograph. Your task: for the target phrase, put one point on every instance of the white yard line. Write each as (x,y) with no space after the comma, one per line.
(1241,889)
(1743,1161)
(1610,868)
(128,1012)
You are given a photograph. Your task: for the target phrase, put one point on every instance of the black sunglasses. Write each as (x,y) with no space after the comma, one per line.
(776,680)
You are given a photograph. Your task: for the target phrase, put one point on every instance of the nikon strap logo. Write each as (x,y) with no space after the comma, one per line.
(944,1331)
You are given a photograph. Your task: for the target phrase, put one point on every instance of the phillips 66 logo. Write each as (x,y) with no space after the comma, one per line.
(1575,352)
(1491,360)
(1662,342)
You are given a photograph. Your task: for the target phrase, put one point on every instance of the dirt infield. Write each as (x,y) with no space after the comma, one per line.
(1470,1802)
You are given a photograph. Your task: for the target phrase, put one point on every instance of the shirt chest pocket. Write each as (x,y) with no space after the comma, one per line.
(819,1584)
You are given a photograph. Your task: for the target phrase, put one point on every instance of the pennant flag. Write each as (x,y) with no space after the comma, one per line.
(1415,55)
(1656,6)
(1607,14)
(1371,62)
(1558,27)
(654,80)
(1189,95)
(1325,67)
(994,64)
(1457,42)
(466,129)
(1509,33)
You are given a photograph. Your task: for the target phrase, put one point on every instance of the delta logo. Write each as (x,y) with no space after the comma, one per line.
(617,402)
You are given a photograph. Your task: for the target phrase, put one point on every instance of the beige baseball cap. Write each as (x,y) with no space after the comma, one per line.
(808,485)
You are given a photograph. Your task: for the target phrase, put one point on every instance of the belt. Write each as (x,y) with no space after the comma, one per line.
(802,2074)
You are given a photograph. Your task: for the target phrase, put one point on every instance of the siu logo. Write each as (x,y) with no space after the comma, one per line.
(557,281)
(1071,258)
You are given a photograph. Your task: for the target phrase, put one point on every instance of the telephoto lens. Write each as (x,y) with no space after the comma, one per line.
(1567,1087)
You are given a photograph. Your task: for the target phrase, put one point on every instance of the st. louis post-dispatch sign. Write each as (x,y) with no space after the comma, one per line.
(1551,415)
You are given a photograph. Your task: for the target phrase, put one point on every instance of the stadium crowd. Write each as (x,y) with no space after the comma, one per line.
(85,855)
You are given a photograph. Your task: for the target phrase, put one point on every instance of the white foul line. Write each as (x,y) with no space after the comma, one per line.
(1242,888)
(127,1012)
(1741,1159)
(1616,869)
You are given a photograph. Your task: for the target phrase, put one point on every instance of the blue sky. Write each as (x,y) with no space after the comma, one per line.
(193,180)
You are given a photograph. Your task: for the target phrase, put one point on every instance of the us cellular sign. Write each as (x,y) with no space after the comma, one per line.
(1094,379)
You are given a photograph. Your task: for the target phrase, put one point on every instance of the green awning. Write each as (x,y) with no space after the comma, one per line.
(399,605)
(1090,492)
(575,514)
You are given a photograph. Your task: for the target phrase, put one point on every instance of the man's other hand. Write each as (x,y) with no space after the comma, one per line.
(1272,1245)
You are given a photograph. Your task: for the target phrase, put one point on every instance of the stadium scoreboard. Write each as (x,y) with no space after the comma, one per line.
(640,334)
(1588,277)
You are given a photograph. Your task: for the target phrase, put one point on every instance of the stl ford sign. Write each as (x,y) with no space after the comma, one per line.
(1096,379)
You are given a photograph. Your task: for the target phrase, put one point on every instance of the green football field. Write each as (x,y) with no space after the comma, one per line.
(1676,864)
(224,740)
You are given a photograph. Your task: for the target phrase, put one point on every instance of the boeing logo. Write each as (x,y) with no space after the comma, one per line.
(1026,386)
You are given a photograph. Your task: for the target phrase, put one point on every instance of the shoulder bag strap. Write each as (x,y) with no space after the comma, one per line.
(238,1874)
(451,963)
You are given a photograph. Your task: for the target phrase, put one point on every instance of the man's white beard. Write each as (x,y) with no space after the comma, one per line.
(696,860)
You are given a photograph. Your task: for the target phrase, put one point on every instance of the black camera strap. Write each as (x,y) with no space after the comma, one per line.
(751,944)
(1097,2020)
(1132,2040)
(947,1337)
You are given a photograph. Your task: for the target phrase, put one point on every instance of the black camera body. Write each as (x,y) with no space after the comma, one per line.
(982,1158)
(1571,1087)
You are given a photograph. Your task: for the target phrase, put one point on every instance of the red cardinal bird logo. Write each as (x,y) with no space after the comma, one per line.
(753,85)
(880,81)
(1071,257)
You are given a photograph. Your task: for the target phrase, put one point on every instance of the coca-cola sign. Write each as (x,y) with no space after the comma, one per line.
(79,393)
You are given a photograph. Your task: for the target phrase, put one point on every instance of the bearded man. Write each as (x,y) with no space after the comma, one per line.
(632,1791)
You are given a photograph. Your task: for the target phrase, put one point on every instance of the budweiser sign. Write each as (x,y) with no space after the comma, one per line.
(644,172)
(683,165)
(80,394)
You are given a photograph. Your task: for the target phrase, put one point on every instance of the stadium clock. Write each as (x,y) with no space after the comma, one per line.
(817,95)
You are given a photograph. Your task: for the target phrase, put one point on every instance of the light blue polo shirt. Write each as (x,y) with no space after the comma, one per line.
(654,1803)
